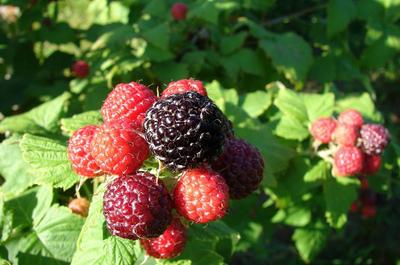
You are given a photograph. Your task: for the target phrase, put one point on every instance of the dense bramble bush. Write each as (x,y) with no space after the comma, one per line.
(275,68)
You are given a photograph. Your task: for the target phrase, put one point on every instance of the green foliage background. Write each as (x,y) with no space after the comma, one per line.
(272,66)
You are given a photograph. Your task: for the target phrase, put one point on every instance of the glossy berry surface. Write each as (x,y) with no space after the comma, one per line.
(79,152)
(348,161)
(137,206)
(351,117)
(184,130)
(118,148)
(170,244)
(374,138)
(201,195)
(322,129)
(128,102)
(242,167)
(183,86)
(346,134)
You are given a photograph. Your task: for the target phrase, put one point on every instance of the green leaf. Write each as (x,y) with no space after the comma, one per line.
(29,207)
(290,128)
(256,103)
(221,96)
(55,235)
(244,60)
(292,104)
(361,102)
(310,241)
(297,216)
(206,11)
(158,36)
(170,71)
(340,13)
(339,193)
(214,231)
(232,43)
(319,105)
(94,247)
(69,125)
(41,119)
(49,161)
(290,54)
(156,8)
(13,168)
(317,172)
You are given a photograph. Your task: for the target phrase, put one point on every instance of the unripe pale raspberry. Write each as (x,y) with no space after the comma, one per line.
(118,148)
(242,167)
(79,68)
(79,152)
(346,134)
(170,244)
(372,164)
(179,11)
(374,138)
(201,195)
(128,102)
(322,129)
(348,161)
(137,206)
(183,86)
(79,206)
(351,117)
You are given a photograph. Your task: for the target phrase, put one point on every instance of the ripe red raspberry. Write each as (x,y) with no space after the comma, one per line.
(322,129)
(348,161)
(183,86)
(79,206)
(351,117)
(201,195)
(80,68)
(170,244)
(179,11)
(242,167)
(129,102)
(137,206)
(79,152)
(346,135)
(372,164)
(374,138)
(118,148)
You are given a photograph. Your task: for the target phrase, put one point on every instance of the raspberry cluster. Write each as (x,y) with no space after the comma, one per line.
(356,146)
(189,135)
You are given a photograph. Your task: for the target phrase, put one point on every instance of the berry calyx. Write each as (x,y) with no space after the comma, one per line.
(128,102)
(348,161)
(170,244)
(351,117)
(183,86)
(374,138)
(346,135)
(372,164)
(201,195)
(137,206)
(184,130)
(242,167)
(179,11)
(79,206)
(80,68)
(79,144)
(322,129)
(118,148)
